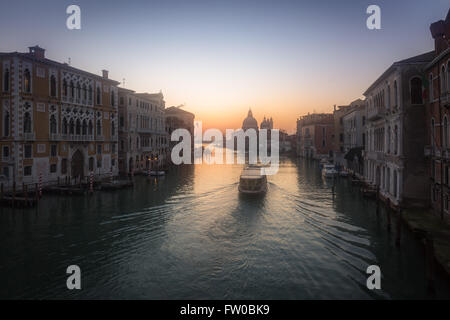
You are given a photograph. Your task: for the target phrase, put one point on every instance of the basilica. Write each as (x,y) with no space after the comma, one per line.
(251,123)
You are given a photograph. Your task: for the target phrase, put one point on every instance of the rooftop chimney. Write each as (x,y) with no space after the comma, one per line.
(37,52)
(105,74)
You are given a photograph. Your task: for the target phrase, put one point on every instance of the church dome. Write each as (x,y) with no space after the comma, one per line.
(250,122)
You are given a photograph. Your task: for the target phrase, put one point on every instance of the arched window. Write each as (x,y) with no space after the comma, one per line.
(90,93)
(63,166)
(78,90)
(65,87)
(395,94)
(99,127)
(416,90)
(27,81)
(98,95)
(448,76)
(395,183)
(91,163)
(388,100)
(443,80)
(71,126)
(85,128)
(78,127)
(389,140)
(52,86)
(27,123)
(90,128)
(6,80)
(445,133)
(395,140)
(53,127)
(432,132)
(113,102)
(84,92)
(6,124)
(430,87)
(72,89)
(64,126)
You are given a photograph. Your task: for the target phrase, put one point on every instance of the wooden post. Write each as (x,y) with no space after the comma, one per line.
(91,183)
(1,191)
(36,188)
(57,181)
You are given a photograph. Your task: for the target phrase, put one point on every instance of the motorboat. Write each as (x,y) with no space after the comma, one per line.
(157,173)
(252,180)
(329,171)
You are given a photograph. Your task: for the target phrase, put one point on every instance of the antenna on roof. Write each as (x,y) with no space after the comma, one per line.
(69,61)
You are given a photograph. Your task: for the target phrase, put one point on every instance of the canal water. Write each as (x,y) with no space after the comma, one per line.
(190,235)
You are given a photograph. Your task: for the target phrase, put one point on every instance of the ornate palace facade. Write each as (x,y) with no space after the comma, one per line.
(56,120)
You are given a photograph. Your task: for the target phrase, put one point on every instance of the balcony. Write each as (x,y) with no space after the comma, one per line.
(99,138)
(55,137)
(29,136)
(375,113)
(72,137)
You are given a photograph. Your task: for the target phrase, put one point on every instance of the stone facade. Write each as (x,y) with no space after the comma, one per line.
(315,134)
(57,121)
(437,149)
(395,133)
(143,141)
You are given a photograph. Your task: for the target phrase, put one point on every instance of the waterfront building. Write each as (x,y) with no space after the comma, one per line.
(285,143)
(57,121)
(353,124)
(177,118)
(143,141)
(395,133)
(338,140)
(315,135)
(437,151)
